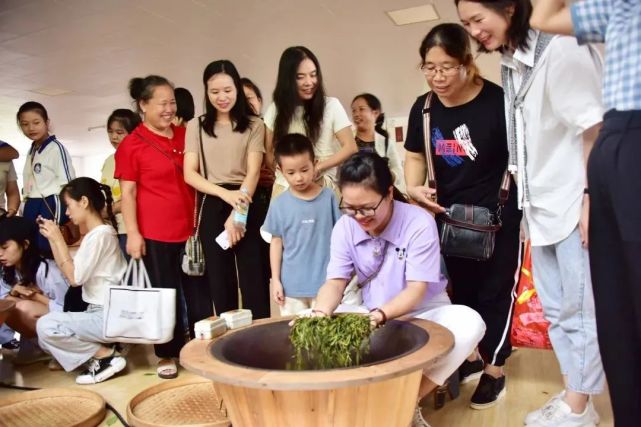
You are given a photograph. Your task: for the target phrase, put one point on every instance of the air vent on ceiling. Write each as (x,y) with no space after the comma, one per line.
(50,91)
(413,15)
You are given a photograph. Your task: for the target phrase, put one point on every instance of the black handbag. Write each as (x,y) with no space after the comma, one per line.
(465,231)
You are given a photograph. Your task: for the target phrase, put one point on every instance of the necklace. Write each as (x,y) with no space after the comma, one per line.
(378,247)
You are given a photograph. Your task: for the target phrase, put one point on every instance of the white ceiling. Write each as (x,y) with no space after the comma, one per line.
(93,47)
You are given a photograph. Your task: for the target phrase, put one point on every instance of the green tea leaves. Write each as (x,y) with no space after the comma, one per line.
(330,342)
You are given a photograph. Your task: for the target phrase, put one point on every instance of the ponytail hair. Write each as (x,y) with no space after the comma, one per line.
(371,171)
(98,195)
(375,104)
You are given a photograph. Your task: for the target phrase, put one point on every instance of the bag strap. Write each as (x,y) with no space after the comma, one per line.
(431,175)
(378,269)
(202,150)
(504,189)
(130,268)
(137,273)
(163,152)
(198,214)
(143,277)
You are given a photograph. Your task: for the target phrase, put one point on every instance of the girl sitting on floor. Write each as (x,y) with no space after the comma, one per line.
(76,338)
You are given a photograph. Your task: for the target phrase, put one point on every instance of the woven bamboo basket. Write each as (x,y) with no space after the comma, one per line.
(193,402)
(5,307)
(53,407)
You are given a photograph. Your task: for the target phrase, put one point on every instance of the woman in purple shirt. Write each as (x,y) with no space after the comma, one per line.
(394,249)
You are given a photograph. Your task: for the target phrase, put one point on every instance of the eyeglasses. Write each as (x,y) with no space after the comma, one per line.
(366,212)
(430,70)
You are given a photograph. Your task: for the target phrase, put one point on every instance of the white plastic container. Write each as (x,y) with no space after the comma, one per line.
(237,318)
(210,328)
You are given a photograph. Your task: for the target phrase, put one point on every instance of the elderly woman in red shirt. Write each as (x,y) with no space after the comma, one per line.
(158,206)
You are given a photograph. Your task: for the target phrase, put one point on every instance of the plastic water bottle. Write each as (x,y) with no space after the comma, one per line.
(241,211)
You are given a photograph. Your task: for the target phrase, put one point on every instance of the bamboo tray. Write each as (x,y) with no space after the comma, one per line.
(53,407)
(193,402)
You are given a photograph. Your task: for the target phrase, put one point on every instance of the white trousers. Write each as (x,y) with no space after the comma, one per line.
(71,338)
(466,325)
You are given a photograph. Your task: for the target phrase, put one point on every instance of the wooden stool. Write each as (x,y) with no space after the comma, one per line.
(53,407)
(192,402)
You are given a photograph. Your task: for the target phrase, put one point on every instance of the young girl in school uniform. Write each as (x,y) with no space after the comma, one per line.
(76,338)
(46,170)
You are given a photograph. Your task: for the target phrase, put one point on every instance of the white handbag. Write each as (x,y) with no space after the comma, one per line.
(136,312)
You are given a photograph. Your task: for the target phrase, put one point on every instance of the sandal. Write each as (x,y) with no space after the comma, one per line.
(167,369)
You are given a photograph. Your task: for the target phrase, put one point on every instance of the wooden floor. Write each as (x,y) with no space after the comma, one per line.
(532,378)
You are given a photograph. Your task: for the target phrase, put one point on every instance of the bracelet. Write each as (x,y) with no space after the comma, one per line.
(378,310)
(586,190)
(320,311)
(65,261)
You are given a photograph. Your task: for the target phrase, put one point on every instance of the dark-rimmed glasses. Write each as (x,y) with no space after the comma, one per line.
(366,212)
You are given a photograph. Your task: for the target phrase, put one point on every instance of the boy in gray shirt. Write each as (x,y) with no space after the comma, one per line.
(300,221)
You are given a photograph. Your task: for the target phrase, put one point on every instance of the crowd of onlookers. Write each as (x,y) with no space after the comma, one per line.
(321,210)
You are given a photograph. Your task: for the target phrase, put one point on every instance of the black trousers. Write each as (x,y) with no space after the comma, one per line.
(260,205)
(488,287)
(614,179)
(163,266)
(240,266)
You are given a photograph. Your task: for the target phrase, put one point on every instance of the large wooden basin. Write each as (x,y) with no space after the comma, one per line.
(248,367)
(5,308)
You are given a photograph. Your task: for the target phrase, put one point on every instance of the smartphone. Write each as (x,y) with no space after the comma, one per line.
(223,240)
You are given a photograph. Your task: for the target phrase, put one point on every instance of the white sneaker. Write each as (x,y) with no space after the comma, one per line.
(418,420)
(559,414)
(99,370)
(534,415)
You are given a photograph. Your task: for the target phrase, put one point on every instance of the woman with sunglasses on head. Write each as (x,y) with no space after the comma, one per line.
(554,112)
(394,248)
(468,145)
(300,106)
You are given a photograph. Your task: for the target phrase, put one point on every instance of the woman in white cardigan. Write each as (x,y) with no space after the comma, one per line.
(368,117)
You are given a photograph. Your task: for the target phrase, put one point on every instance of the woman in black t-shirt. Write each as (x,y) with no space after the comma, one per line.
(469,148)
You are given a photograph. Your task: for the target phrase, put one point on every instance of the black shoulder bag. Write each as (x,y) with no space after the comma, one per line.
(466,231)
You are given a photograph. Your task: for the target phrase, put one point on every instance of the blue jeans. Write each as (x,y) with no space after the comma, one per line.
(562,279)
